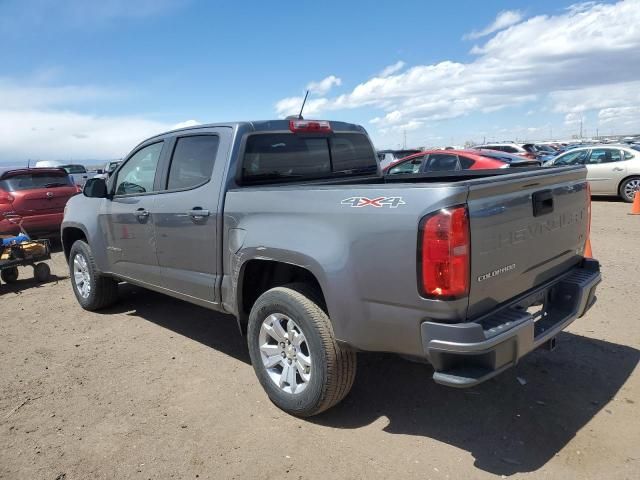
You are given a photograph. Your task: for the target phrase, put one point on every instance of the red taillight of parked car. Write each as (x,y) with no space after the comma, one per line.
(444,254)
(5,198)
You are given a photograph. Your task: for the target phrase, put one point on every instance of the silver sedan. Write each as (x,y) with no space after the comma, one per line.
(611,169)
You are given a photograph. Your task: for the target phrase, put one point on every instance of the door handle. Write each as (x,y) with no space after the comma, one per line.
(618,169)
(142,214)
(198,214)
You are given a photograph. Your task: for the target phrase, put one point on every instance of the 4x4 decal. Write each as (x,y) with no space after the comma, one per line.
(379,202)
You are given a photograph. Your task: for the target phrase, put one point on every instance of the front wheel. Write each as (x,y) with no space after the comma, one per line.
(92,289)
(295,354)
(629,188)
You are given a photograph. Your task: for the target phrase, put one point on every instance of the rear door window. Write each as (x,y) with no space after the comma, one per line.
(465,162)
(604,155)
(192,161)
(34,180)
(442,162)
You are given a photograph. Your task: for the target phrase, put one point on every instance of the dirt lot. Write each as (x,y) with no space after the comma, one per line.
(157,388)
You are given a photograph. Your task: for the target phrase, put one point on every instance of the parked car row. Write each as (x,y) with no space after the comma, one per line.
(612,169)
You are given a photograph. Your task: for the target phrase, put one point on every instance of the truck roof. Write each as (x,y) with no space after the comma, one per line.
(264,126)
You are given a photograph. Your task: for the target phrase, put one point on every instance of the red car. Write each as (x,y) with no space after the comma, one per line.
(38,195)
(443,161)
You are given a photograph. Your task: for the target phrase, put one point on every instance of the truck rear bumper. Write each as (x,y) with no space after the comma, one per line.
(466,354)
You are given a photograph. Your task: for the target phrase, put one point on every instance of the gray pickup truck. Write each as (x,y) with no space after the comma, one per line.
(289,226)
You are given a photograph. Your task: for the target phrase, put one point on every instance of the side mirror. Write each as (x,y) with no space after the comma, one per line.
(95,188)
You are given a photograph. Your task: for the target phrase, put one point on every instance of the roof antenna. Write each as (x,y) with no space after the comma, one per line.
(302,107)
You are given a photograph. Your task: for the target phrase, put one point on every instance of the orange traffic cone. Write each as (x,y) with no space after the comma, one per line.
(635,208)
(587,249)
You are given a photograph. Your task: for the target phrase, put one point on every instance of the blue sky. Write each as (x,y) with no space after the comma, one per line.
(88,80)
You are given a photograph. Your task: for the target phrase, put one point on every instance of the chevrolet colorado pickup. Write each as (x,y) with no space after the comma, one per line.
(289,226)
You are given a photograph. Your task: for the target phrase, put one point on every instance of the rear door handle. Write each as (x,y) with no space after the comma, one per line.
(142,214)
(618,169)
(198,214)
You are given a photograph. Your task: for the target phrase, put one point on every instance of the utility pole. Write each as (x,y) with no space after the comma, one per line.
(405,139)
(581,126)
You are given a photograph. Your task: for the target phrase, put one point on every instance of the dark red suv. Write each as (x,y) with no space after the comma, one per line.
(38,195)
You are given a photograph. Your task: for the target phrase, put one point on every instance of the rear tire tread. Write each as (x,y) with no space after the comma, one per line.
(340,361)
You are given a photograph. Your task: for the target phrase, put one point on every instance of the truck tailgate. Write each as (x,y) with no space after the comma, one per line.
(524,230)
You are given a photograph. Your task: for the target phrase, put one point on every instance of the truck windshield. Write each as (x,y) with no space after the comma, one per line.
(283,156)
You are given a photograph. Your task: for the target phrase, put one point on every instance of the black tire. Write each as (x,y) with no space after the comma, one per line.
(41,272)
(9,275)
(103,290)
(623,188)
(333,367)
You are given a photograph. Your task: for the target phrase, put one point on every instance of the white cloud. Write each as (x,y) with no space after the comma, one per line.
(623,116)
(66,135)
(596,97)
(391,69)
(20,95)
(504,19)
(584,58)
(323,86)
(185,124)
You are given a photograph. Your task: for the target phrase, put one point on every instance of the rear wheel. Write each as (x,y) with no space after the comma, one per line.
(92,289)
(9,275)
(628,188)
(295,354)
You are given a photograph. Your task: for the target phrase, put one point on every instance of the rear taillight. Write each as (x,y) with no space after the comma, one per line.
(5,198)
(444,254)
(530,155)
(78,189)
(309,126)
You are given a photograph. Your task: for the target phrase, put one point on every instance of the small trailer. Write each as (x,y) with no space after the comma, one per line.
(21,251)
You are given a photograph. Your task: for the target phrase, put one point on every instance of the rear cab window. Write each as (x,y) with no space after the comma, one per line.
(33,180)
(290,157)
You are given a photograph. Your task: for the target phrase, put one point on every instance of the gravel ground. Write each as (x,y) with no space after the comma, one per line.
(155,388)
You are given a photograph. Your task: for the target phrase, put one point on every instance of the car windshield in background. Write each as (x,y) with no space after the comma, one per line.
(29,181)
(282,156)
(74,169)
